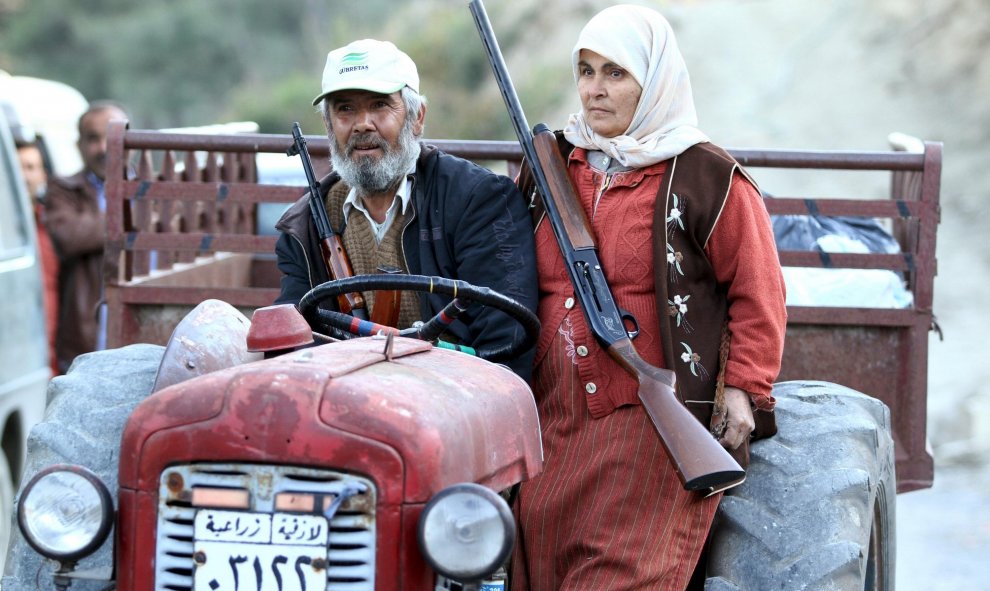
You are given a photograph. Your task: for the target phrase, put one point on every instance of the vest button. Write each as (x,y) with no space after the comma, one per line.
(582,351)
(569,303)
(591,387)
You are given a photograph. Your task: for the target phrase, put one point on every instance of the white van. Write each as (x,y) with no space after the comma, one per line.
(50,109)
(24,369)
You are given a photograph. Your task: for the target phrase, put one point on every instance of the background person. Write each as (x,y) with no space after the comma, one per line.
(75,214)
(36,170)
(398,202)
(687,246)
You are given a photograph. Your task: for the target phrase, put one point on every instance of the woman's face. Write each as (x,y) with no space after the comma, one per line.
(609,94)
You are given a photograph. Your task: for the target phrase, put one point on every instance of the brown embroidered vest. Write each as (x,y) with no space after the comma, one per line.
(692,195)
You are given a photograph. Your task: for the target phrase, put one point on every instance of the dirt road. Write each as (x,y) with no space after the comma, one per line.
(943,533)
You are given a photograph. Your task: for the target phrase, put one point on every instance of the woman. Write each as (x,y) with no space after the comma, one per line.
(688,249)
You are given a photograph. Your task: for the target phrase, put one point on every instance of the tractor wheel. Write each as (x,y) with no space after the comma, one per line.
(6,506)
(817,508)
(87,410)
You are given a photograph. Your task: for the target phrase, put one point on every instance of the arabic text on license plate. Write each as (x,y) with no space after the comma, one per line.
(239,550)
(248,567)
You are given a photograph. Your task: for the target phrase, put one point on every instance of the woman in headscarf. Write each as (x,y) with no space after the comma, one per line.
(688,249)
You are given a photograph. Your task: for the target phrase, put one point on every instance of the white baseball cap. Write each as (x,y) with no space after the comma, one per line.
(368,64)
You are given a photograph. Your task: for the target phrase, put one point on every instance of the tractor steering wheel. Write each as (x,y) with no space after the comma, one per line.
(309,307)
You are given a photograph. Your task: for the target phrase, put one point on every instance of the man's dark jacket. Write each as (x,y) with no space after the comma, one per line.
(467,223)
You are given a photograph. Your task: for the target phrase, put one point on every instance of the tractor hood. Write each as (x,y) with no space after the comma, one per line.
(414,418)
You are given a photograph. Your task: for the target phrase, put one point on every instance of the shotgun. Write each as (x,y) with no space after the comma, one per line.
(701,462)
(332,248)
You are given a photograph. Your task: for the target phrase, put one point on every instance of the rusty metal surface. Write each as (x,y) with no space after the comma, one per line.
(143,191)
(801,258)
(148,308)
(455,417)
(425,420)
(861,317)
(875,361)
(279,327)
(210,338)
(887,208)
(508,150)
(198,242)
(193,295)
(831,159)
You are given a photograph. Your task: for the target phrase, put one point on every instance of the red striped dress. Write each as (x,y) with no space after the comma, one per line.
(608,512)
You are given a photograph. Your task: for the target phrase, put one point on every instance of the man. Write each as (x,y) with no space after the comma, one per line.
(75,209)
(398,202)
(35,173)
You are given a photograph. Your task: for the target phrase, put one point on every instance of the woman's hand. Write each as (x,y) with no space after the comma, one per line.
(740,422)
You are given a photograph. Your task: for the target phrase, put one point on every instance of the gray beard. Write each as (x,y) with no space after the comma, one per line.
(368,175)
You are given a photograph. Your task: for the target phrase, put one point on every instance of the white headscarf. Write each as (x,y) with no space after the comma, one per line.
(640,41)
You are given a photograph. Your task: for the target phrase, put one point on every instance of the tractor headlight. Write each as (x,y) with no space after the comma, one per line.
(466,532)
(65,512)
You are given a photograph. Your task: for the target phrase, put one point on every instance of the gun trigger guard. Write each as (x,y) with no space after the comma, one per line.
(627,319)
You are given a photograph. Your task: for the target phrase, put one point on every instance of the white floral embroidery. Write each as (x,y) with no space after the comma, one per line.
(694,359)
(674,217)
(566,330)
(674,259)
(678,309)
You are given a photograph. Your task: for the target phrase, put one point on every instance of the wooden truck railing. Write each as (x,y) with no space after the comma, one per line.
(182,217)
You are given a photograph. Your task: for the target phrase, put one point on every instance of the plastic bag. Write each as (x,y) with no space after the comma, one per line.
(857,288)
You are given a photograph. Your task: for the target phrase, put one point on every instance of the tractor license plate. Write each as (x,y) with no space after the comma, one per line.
(240,551)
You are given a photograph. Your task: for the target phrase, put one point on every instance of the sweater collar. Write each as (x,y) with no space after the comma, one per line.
(620,176)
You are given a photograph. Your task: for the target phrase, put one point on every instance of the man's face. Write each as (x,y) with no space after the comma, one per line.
(33,169)
(372,136)
(93,139)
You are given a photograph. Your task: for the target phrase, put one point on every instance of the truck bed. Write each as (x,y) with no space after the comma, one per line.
(185,222)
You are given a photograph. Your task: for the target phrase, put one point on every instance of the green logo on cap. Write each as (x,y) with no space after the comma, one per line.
(355,58)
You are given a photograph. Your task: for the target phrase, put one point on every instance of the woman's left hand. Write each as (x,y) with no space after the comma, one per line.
(740,421)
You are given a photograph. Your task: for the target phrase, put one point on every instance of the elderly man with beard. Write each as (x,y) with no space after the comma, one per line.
(398,202)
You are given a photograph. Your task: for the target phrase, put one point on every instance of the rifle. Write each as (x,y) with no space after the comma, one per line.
(701,462)
(332,248)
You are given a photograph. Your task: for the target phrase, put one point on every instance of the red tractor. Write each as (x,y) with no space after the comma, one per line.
(257,458)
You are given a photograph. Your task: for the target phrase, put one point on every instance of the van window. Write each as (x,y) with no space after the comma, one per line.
(13,231)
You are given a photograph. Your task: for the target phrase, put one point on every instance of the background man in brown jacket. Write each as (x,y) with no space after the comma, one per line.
(75,208)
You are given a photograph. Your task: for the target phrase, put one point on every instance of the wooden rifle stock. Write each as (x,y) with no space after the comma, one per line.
(339,267)
(700,461)
(332,248)
(387,302)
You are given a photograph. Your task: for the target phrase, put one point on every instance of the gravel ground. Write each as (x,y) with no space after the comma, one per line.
(943,533)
